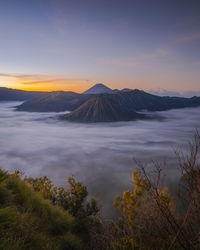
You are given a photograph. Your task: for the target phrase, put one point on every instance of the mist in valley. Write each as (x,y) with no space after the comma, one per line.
(99,155)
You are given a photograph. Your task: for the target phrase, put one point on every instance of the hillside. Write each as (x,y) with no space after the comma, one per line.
(101,109)
(135,100)
(56,101)
(140,100)
(7,94)
(28,221)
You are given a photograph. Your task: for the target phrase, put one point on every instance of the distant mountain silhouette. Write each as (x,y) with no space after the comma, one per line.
(164,92)
(101,109)
(98,88)
(135,100)
(56,101)
(7,94)
(140,100)
(126,90)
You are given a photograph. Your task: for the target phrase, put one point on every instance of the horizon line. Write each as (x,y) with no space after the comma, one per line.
(156,90)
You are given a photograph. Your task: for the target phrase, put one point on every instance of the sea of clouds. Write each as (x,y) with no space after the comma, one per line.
(102,156)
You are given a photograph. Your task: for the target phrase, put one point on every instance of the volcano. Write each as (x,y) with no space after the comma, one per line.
(101,109)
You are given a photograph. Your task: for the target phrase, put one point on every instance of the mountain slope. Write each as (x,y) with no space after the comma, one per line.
(133,100)
(57,101)
(7,94)
(28,221)
(101,109)
(140,100)
(98,88)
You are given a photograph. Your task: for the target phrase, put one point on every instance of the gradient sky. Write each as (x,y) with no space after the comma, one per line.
(71,45)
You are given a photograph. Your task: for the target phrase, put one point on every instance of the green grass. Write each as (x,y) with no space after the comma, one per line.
(27,221)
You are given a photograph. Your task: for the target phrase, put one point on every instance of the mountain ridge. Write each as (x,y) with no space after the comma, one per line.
(101,109)
(8,94)
(60,101)
(136,100)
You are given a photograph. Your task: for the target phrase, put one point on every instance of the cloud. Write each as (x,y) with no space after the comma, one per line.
(45,81)
(14,75)
(157,53)
(49,82)
(165,92)
(188,37)
(137,60)
(99,155)
(118,62)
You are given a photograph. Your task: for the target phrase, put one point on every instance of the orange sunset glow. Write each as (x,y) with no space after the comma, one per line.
(99,124)
(44,83)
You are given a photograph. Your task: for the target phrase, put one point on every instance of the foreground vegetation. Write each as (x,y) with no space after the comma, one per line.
(35,214)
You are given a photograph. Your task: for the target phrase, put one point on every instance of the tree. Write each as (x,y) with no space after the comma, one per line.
(72,199)
(149,218)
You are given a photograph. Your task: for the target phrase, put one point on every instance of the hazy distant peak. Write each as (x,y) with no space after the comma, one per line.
(98,88)
(163,92)
(126,90)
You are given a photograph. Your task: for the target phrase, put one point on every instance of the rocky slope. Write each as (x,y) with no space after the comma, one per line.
(135,100)
(101,109)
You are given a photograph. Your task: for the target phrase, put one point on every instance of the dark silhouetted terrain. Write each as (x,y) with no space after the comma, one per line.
(57,101)
(140,100)
(101,109)
(7,94)
(133,100)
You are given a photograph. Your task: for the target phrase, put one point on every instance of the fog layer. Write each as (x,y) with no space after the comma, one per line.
(99,155)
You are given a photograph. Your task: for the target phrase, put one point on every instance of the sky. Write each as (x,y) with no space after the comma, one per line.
(71,45)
